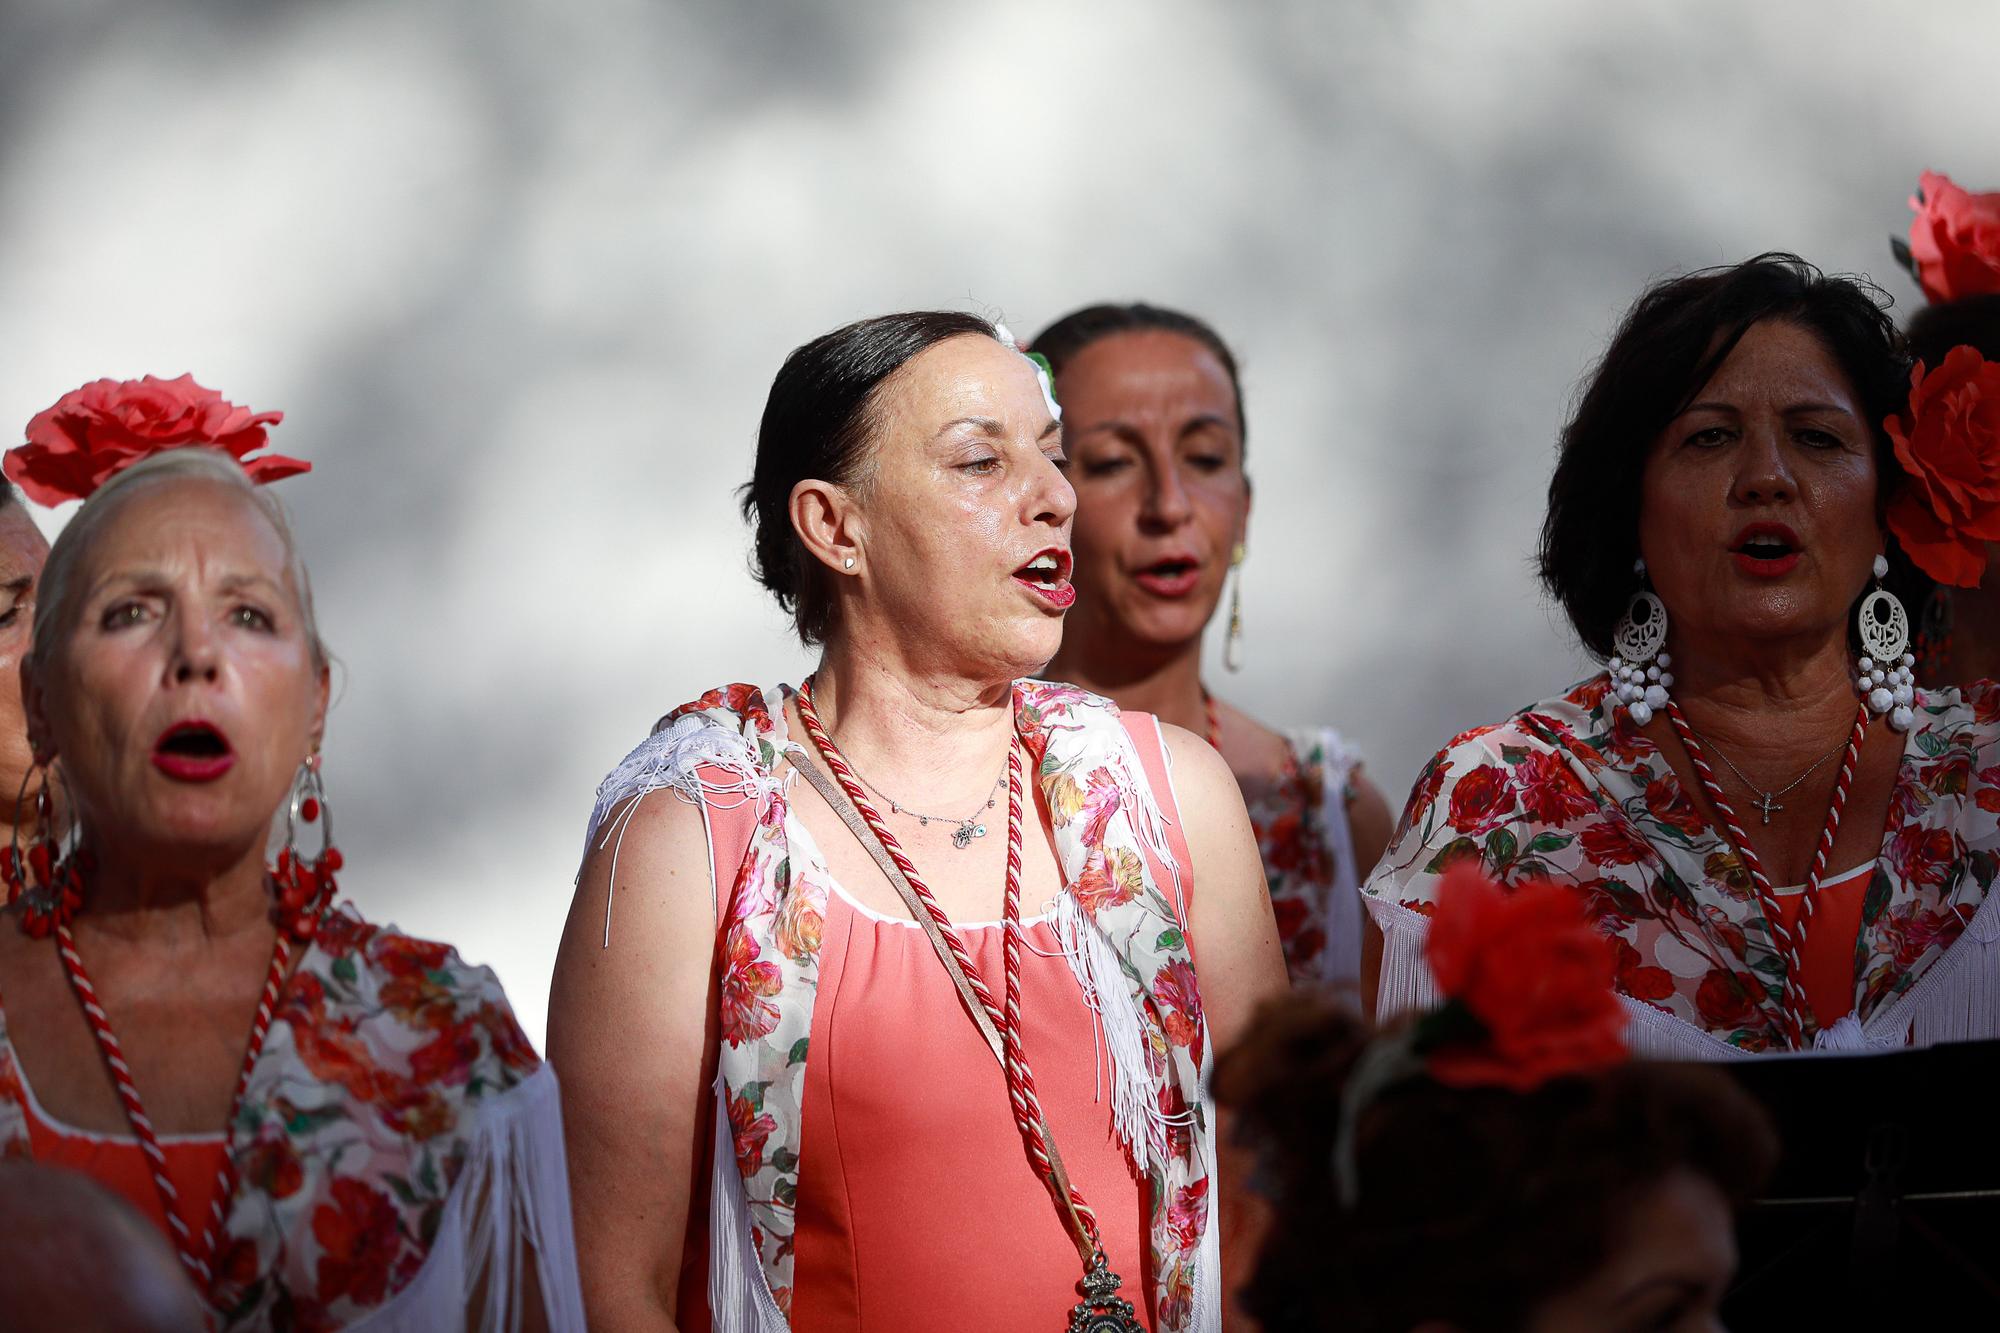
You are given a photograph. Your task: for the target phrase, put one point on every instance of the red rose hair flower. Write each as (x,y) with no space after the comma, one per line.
(1527,982)
(1950,446)
(1954,249)
(93,432)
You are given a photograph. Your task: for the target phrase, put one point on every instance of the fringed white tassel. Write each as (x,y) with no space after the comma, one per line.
(1958,999)
(1406,981)
(511,1198)
(739,1297)
(1209,1288)
(1135,1106)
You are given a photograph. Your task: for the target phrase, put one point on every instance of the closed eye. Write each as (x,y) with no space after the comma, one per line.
(1820,439)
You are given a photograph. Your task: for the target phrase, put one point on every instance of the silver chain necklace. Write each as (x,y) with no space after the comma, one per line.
(968,828)
(1766,801)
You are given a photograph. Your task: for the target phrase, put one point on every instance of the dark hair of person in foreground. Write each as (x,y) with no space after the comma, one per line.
(1475,1209)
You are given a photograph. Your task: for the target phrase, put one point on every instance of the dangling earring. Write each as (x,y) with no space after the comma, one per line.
(46,879)
(305,889)
(1883,675)
(1232,643)
(1639,676)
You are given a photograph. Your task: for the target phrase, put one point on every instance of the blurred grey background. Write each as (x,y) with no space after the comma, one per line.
(519,274)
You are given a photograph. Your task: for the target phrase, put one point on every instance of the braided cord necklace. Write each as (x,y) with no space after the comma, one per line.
(1790,940)
(1006,1017)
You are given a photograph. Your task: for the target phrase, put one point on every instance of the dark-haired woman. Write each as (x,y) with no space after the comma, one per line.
(878,1001)
(1156,439)
(1791,839)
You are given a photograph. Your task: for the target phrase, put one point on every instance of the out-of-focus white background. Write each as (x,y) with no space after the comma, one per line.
(519,275)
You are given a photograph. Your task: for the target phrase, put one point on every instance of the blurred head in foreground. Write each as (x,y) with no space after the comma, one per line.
(81,1260)
(1495,1163)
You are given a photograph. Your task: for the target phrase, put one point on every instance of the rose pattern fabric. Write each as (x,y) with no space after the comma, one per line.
(1301,869)
(770,941)
(354,1125)
(1688,934)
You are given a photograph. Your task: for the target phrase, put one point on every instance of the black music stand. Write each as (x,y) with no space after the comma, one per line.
(1885,1210)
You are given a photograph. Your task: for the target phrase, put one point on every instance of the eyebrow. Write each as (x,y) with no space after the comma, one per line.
(18,586)
(1054,427)
(987,424)
(1814,406)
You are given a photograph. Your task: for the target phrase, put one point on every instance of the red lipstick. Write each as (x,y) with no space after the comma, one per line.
(1766,550)
(1047,577)
(193,751)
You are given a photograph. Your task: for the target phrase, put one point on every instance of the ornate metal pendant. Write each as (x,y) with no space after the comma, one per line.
(962,836)
(1102,1309)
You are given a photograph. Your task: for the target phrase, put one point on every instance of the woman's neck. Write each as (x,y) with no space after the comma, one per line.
(1166,684)
(130,896)
(1735,698)
(922,731)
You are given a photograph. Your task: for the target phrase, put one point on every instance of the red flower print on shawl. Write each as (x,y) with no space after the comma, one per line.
(1180,1004)
(1728,999)
(1481,799)
(749,1127)
(1109,881)
(1187,1213)
(1550,793)
(745,989)
(1637,978)
(1615,843)
(357,1230)
(1666,802)
(1921,855)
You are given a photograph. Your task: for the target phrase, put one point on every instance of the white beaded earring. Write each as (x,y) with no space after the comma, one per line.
(1884,675)
(1639,676)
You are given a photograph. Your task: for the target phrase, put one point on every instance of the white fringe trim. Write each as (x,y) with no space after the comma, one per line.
(1135,1105)
(511,1194)
(1406,981)
(1208,1284)
(739,1294)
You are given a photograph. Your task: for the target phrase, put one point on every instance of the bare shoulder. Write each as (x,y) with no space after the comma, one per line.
(1204,785)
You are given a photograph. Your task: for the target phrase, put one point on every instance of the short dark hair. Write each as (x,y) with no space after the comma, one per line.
(1670,344)
(817,424)
(1061,341)
(1971,321)
(1472,1205)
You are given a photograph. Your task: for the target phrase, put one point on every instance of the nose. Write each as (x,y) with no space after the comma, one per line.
(1167,503)
(1052,497)
(195,658)
(1764,468)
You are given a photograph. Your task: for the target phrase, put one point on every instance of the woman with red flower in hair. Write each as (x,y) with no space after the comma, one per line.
(1495,1162)
(1761,803)
(332,1123)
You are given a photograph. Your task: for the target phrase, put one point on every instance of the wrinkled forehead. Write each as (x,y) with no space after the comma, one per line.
(183,526)
(969,377)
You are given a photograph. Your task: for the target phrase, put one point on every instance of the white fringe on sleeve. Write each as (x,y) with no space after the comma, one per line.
(508,1207)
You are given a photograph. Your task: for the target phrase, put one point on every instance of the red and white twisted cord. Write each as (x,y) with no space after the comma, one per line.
(1790,940)
(194,1257)
(1021,1094)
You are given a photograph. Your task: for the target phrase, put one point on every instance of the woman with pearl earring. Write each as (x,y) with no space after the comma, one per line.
(1790,840)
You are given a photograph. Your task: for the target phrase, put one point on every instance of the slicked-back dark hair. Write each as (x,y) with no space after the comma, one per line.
(1061,341)
(1670,344)
(818,422)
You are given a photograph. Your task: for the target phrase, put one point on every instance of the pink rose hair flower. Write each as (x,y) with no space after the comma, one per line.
(94,432)
(1954,247)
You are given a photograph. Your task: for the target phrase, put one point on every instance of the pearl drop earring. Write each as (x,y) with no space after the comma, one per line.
(1639,676)
(1884,675)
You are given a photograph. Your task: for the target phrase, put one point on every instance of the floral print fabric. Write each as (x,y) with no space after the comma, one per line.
(774,915)
(1570,789)
(355,1125)
(1308,863)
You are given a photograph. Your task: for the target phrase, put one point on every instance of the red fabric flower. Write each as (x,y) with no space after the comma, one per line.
(1728,999)
(106,425)
(1950,446)
(750,1129)
(1666,802)
(1532,971)
(1614,842)
(359,1240)
(1954,239)
(1480,799)
(1179,1004)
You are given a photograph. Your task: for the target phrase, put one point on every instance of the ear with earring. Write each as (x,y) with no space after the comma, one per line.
(1638,668)
(305,888)
(1885,674)
(1232,643)
(848,563)
(44,876)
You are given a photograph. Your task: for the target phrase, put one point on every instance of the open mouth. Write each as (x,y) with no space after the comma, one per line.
(193,751)
(1047,575)
(1175,576)
(1766,549)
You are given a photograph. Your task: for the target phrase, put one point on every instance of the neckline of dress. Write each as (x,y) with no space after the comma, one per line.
(815,860)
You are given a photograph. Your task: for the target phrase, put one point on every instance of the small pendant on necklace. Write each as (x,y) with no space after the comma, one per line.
(962,836)
(1765,802)
(1102,1309)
